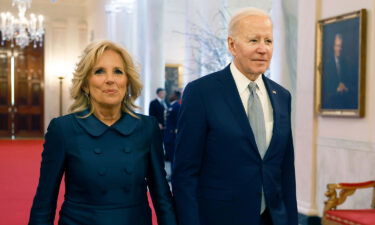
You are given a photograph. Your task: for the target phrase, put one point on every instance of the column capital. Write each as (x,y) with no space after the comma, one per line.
(116,6)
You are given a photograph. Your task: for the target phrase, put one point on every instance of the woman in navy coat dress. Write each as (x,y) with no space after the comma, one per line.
(109,154)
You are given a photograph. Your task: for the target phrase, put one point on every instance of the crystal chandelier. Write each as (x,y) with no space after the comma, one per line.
(19,29)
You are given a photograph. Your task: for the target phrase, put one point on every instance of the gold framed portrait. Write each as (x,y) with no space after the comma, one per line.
(340,67)
(173,78)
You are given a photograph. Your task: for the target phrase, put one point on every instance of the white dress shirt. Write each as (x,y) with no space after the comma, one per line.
(242,83)
(162,102)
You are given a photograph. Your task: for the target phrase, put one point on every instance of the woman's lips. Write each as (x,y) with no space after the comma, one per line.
(110,91)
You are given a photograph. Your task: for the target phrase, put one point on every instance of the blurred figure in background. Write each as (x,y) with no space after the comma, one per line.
(171,125)
(158,108)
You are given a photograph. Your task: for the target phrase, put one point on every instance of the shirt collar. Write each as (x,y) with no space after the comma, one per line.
(92,125)
(159,99)
(242,81)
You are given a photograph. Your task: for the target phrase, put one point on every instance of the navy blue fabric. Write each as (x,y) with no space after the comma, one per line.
(107,171)
(218,172)
(156,109)
(170,130)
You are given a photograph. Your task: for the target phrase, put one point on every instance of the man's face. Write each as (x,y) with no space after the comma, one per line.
(161,94)
(338,46)
(172,97)
(251,45)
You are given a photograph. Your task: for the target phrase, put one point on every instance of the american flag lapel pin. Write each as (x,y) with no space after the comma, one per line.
(274,92)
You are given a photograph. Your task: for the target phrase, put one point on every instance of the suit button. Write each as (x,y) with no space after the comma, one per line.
(102,171)
(104,192)
(98,151)
(128,171)
(126,150)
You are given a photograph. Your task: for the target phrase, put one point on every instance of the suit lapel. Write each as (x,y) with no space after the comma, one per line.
(273,96)
(230,94)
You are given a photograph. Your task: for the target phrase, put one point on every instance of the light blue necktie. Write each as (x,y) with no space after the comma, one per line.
(256,119)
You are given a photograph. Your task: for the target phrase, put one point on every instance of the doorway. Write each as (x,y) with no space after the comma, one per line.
(21,91)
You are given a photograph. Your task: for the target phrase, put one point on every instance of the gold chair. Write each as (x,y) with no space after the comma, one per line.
(334,216)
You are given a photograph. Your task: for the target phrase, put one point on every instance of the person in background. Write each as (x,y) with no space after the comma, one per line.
(234,157)
(109,154)
(158,108)
(171,125)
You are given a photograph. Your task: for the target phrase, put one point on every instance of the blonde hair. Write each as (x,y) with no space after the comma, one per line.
(241,14)
(87,61)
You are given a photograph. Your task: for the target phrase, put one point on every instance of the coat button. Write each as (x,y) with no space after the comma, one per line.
(98,151)
(102,171)
(126,150)
(128,171)
(104,192)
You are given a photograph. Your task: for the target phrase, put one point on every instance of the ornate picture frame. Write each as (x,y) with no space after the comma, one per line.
(340,65)
(173,78)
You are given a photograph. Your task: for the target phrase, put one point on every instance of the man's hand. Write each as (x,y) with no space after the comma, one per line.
(341,88)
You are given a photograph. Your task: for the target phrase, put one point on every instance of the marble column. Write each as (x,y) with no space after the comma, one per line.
(150,48)
(122,23)
(111,10)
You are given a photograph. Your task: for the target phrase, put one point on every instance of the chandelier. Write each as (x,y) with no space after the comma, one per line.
(20,30)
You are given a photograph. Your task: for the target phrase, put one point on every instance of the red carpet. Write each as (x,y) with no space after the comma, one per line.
(19,173)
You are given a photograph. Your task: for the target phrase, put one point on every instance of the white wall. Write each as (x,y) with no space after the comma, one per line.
(304,118)
(66,35)
(329,149)
(96,19)
(174,27)
(346,146)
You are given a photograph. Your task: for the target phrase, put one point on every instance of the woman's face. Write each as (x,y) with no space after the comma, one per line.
(107,82)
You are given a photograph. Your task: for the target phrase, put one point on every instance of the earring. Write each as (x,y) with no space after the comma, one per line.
(87,95)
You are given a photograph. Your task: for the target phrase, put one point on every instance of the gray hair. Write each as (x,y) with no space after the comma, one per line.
(338,36)
(243,13)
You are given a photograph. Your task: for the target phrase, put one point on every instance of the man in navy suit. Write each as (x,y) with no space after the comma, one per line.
(234,158)
(158,108)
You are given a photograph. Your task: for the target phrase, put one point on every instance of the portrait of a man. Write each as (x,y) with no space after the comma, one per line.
(340,68)
(341,59)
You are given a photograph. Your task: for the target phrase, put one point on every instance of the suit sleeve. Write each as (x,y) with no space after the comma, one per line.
(151,110)
(289,178)
(189,151)
(159,188)
(51,172)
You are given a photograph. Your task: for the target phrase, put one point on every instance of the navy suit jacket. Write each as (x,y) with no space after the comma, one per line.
(332,99)
(171,123)
(156,109)
(170,130)
(107,171)
(218,172)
